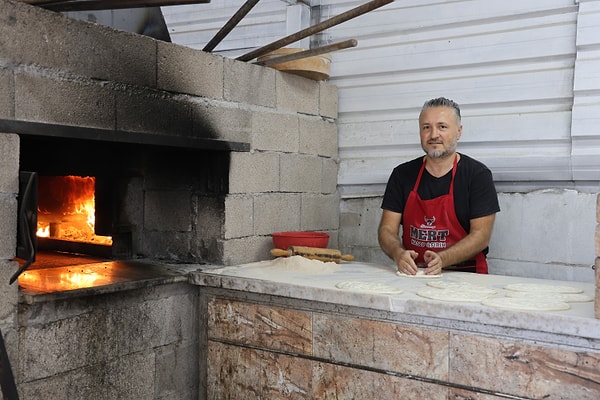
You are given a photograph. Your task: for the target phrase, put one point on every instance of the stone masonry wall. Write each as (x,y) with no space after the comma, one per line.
(69,72)
(61,71)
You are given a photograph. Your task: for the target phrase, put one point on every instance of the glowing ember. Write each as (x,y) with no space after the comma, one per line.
(66,207)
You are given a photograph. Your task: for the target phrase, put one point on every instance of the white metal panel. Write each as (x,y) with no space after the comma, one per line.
(196,25)
(509,64)
(586,105)
(526,74)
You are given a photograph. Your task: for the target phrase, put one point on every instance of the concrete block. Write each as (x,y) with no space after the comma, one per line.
(246,250)
(181,69)
(598,210)
(319,137)
(43,31)
(9,294)
(320,212)
(254,172)
(597,303)
(210,217)
(566,240)
(276,132)
(328,100)
(301,173)
(177,369)
(239,216)
(597,240)
(7,100)
(276,212)
(330,174)
(249,83)
(168,245)
(167,211)
(298,94)
(8,226)
(162,314)
(220,121)
(100,52)
(152,112)
(59,101)
(9,163)
(359,219)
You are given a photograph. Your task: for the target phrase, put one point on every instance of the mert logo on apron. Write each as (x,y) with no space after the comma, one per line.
(441,229)
(426,236)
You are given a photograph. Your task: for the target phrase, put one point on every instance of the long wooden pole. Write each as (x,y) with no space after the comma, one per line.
(228,27)
(309,53)
(355,12)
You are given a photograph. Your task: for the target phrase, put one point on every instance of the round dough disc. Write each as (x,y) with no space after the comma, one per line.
(420,274)
(465,286)
(453,295)
(565,297)
(526,304)
(539,288)
(368,287)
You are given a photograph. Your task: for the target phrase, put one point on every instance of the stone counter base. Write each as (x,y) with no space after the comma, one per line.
(269,350)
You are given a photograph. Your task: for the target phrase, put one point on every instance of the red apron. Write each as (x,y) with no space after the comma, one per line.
(433,225)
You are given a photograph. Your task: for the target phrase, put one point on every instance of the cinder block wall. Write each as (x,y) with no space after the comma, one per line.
(69,72)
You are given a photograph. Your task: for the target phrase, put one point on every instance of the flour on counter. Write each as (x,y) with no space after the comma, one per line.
(305,265)
(368,287)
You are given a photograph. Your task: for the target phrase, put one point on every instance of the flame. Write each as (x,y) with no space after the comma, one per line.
(66,209)
(43,231)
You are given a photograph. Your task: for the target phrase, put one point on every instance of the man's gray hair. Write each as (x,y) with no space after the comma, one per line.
(442,102)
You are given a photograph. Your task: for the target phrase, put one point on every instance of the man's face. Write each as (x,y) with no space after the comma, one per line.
(439,130)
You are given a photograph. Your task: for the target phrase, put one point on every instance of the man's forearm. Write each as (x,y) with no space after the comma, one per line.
(463,250)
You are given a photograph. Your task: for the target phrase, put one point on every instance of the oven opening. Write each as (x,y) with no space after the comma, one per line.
(66,213)
(84,202)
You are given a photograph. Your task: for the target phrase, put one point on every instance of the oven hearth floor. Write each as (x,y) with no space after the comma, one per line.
(85,276)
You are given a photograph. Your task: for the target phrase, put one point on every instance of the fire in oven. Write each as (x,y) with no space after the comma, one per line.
(58,213)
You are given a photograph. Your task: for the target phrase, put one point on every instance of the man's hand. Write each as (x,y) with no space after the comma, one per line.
(405,260)
(433,263)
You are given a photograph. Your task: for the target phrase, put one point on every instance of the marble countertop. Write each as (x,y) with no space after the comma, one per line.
(576,326)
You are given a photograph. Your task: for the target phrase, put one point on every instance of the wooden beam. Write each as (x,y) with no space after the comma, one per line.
(237,17)
(309,53)
(338,19)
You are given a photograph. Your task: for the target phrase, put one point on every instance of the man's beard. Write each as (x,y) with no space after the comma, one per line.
(442,153)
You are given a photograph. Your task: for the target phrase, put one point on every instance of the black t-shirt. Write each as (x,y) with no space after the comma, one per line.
(474,191)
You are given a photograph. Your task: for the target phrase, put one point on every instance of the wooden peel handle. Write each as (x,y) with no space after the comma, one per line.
(281,253)
(312,252)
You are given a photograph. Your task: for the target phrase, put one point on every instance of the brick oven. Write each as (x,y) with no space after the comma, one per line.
(195,158)
(138,191)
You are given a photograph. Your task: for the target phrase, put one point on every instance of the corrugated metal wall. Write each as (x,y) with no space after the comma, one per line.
(510,64)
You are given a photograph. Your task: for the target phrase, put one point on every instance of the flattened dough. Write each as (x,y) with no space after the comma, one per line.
(565,297)
(368,287)
(526,304)
(420,274)
(541,288)
(453,295)
(461,286)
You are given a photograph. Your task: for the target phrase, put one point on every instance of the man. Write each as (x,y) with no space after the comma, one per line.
(445,202)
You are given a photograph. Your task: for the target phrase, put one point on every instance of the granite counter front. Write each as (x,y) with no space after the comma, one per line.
(279,329)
